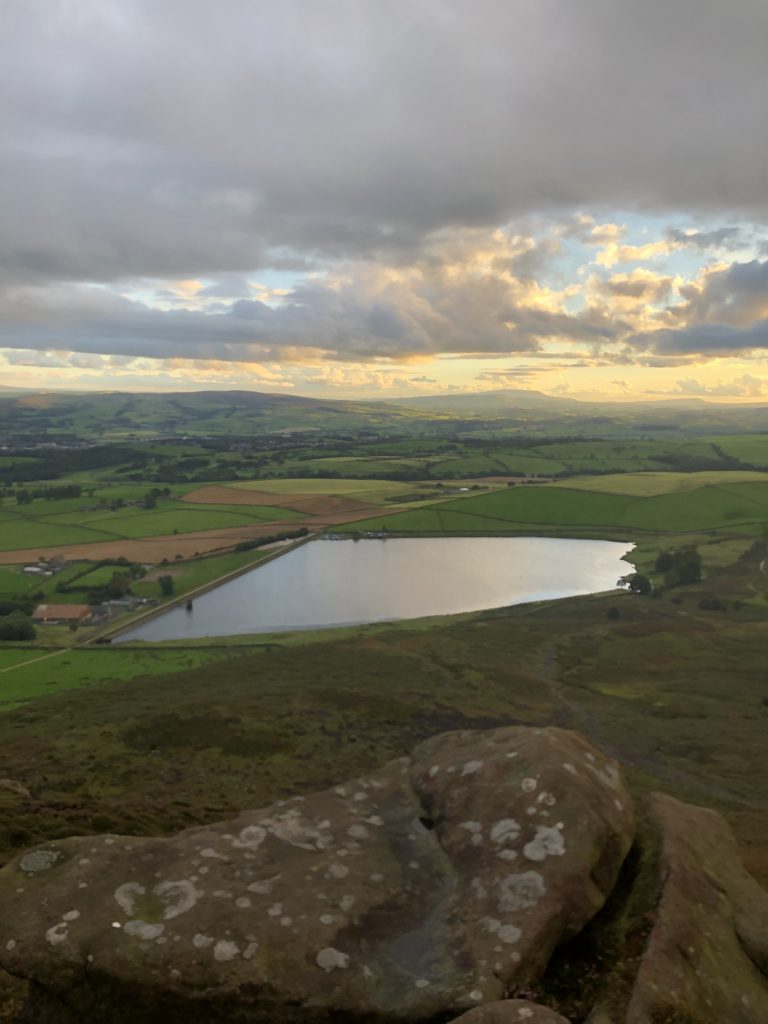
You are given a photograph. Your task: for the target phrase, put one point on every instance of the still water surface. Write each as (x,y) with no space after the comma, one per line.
(335,583)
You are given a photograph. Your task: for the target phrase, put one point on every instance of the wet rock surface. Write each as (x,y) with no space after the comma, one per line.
(440,883)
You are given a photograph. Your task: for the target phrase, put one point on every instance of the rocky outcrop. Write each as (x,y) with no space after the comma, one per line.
(440,883)
(707,955)
(510,1011)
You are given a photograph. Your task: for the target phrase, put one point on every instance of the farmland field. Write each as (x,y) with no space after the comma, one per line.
(738,507)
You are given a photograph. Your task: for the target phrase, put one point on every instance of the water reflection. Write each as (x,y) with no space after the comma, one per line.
(333,583)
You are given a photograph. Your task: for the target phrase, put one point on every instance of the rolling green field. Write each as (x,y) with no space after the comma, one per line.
(31,674)
(737,508)
(649,484)
(48,523)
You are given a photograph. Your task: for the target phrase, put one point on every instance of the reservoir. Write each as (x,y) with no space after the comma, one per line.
(335,583)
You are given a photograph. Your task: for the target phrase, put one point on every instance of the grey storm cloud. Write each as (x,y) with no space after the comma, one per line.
(736,295)
(717,238)
(424,316)
(705,339)
(176,138)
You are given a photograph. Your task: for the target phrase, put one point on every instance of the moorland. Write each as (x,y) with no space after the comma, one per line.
(133,502)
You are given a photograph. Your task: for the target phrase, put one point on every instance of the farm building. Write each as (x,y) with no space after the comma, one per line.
(61,613)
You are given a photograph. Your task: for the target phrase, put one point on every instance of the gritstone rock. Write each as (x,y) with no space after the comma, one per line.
(437,884)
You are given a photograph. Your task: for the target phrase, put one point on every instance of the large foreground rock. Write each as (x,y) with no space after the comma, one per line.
(437,884)
(707,955)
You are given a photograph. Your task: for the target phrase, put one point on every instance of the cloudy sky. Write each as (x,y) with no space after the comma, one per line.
(385,197)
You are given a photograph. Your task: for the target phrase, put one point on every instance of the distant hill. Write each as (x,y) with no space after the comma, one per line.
(519,404)
(505,401)
(119,415)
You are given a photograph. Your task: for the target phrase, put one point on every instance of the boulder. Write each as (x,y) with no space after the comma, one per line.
(439,883)
(510,1011)
(706,958)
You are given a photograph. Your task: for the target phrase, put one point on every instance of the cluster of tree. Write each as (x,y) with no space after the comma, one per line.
(53,493)
(18,604)
(259,542)
(679,566)
(638,583)
(17,628)
(150,498)
(52,465)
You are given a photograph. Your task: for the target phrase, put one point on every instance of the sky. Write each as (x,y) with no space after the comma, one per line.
(367,199)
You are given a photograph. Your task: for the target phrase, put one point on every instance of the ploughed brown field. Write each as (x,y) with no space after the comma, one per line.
(154,549)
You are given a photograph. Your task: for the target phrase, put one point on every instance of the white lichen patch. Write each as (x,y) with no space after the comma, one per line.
(201,941)
(507,855)
(528,785)
(570,768)
(71,915)
(434,770)
(337,871)
(143,930)
(250,950)
(250,838)
(509,933)
(327,919)
(521,891)
(421,983)
(347,902)
(38,860)
(125,896)
(177,897)
(225,950)
(10,945)
(263,886)
(471,767)
(242,902)
(507,830)
(471,826)
(57,934)
(358,831)
(548,842)
(213,854)
(329,959)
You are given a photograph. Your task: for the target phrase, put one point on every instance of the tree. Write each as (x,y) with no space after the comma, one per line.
(166,585)
(639,584)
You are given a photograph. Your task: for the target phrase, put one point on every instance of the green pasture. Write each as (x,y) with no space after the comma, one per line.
(745,447)
(32,673)
(190,575)
(738,507)
(649,484)
(39,525)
